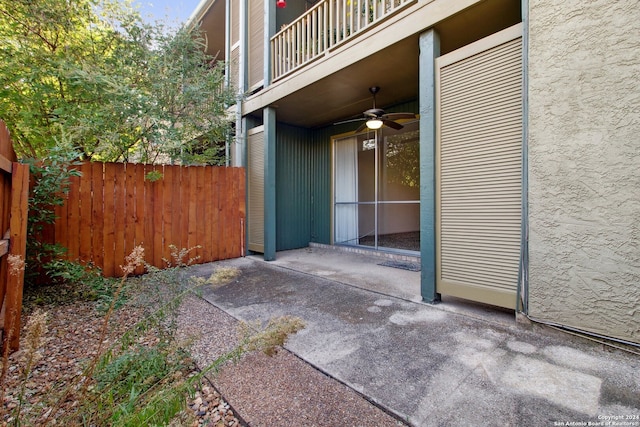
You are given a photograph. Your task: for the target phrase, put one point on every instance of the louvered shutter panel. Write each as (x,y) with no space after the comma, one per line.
(256,44)
(235,21)
(480,175)
(255,170)
(234,61)
(234,69)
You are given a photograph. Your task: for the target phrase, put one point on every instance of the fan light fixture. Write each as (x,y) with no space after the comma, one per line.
(374,123)
(374,118)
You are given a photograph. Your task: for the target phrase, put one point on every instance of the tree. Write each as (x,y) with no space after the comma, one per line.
(118,88)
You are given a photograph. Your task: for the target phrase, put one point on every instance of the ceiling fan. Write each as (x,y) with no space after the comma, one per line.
(376,117)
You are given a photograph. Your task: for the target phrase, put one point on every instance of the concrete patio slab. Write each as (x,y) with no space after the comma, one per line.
(447,364)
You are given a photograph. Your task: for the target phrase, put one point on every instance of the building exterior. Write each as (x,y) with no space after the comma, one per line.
(513,170)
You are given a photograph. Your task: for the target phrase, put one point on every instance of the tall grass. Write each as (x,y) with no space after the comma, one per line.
(144,377)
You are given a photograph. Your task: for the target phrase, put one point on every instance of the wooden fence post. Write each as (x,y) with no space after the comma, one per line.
(17,252)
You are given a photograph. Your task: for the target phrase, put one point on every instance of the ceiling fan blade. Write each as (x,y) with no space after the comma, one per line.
(392,124)
(399,116)
(374,112)
(349,121)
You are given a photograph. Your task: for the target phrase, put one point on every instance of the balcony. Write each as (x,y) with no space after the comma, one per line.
(327,25)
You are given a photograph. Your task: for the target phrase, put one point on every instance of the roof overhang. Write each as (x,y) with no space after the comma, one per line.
(209,15)
(335,87)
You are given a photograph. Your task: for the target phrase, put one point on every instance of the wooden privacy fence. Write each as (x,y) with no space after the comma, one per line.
(112,208)
(14,197)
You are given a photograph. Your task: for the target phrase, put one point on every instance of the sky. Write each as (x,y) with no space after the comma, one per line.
(170,11)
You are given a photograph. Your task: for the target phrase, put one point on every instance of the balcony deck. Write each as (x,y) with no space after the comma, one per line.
(325,26)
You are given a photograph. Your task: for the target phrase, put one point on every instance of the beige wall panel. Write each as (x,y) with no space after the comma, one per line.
(584,164)
(255,169)
(256,44)
(234,70)
(235,21)
(479,169)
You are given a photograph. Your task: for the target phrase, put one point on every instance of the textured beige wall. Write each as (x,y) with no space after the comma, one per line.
(584,164)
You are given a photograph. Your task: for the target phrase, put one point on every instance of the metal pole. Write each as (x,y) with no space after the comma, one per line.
(375,188)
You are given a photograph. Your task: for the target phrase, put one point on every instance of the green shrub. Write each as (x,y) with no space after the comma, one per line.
(52,177)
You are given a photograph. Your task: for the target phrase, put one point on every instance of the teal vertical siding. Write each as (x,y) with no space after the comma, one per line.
(405,107)
(303,182)
(320,170)
(303,205)
(292,188)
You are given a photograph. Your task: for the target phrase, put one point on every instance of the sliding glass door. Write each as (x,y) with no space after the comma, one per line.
(377,189)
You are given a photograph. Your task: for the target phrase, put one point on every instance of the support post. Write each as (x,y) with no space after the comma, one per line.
(429,51)
(227,74)
(19,209)
(239,152)
(269,184)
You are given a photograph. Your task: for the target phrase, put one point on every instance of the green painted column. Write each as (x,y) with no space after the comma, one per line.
(429,51)
(269,116)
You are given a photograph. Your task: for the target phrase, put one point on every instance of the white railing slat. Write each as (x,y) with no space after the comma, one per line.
(327,24)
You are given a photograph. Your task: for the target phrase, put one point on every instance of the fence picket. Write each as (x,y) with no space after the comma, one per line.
(207,247)
(110,225)
(73,218)
(61,225)
(5,199)
(149,207)
(200,210)
(235,223)
(240,207)
(129,220)
(177,207)
(14,206)
(140,210)
(85,205)
(215,208)
(193,195)
(17,248)
(119,215)
(167,212)
(190,206)
(156,254)
(97,213)
(227,223)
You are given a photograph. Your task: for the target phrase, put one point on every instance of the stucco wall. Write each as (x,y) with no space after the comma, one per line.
(584,164)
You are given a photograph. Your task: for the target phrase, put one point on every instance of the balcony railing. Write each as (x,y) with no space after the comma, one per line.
(327,24)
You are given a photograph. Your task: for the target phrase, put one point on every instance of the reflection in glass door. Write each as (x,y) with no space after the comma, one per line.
(377,189)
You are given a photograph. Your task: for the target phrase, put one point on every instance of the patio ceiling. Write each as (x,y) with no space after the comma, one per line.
(321,95)
(345,93)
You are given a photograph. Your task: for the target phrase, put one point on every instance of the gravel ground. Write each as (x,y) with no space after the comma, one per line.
(73,332)
(276,391)
(280,390)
